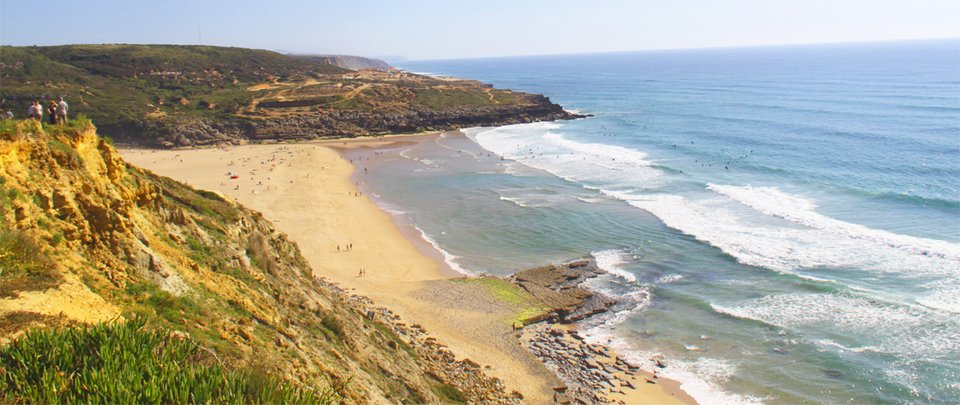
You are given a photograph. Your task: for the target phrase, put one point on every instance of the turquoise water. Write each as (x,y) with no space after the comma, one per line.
(786,219)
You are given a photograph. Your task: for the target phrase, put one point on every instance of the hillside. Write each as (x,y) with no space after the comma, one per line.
(349,61)
(173,95)
(87,238)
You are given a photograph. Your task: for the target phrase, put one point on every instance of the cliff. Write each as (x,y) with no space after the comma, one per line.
(349,61)
(175,96)
(86,238)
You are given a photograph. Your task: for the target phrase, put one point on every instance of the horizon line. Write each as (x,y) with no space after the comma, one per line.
(692,48)
(317,53)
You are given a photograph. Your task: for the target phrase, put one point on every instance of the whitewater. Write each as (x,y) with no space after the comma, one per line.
(786,220)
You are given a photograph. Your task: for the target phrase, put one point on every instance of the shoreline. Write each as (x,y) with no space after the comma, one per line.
(409,274)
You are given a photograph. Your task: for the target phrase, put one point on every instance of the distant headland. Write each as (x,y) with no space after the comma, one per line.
(165,96)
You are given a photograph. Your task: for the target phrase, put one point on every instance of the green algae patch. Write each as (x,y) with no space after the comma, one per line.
(527,308)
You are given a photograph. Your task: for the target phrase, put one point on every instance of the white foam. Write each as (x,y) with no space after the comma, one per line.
(789,237)
(896,330)
(771,201)
(534,145)
(612,261)
(591,200)
(426,162)
(759,226)
(440,144)
(945,297)
(514,200)
(531,197)
(700,378)
(448,258)
(670,278)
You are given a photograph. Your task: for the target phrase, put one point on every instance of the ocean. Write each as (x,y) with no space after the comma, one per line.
(787,219)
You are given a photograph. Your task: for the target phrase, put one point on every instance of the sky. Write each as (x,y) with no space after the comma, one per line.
(437,29)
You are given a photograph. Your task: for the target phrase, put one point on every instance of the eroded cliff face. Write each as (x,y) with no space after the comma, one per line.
(122,241)
(194,131)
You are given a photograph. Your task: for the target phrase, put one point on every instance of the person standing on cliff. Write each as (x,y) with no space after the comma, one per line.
(52,110)
(62,108)
(34,111)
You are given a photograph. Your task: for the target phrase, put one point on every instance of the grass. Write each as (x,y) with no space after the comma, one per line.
(23,265)
(171,308)
(392,338)
(441,99)
(12,322)
(97,79)
(128,363)
(448,393)
(64,154)
(332,324)
(526,307)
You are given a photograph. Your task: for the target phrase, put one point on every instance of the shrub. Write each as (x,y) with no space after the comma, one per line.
(23,265)
(127,363)
(449,393)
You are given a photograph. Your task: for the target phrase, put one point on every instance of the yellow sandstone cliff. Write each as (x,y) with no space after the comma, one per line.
(86,238)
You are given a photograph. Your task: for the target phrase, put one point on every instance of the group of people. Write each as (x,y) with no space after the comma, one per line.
(56,111)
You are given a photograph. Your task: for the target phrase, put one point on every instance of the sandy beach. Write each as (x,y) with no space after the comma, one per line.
(308,192)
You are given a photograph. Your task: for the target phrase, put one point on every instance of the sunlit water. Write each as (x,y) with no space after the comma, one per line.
(787,219)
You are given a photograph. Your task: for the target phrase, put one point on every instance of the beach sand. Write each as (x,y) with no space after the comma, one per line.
(307,191)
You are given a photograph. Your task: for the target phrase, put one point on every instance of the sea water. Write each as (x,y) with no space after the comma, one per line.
(787,219)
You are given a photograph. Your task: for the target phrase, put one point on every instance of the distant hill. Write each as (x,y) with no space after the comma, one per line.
(176,95)
(349,62)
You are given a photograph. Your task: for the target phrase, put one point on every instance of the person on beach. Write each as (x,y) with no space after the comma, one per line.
(62,108)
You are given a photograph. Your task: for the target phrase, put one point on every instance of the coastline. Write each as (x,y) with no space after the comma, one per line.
(307,189)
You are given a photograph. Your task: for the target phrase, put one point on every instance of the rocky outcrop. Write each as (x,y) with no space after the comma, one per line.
(333,123)
(592,373)
(559,287)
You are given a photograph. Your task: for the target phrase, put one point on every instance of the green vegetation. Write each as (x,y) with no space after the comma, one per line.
(128,363)
(173,95)
(332,325)
(167,306)
(23,265)
(171,79)
(448,393)
(526,307)
(392,340)
(439,99)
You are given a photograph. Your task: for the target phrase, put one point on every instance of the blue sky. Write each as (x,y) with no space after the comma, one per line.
(457,29)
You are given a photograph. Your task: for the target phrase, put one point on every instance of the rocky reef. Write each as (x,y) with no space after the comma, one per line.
(559,286)
(592,373)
